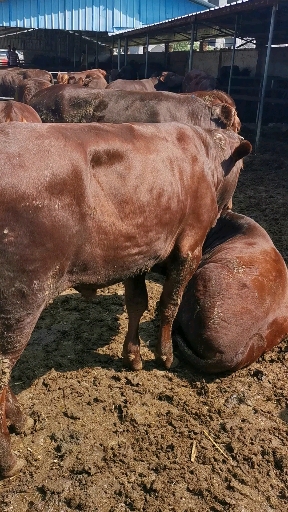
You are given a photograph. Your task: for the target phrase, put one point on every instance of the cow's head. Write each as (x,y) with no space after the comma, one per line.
(225,116)
(232,149)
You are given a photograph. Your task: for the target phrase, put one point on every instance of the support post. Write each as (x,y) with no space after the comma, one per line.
(146,56)
(125,51)
(192,41)
(119,54)
(96,53)
(74,56)
(112,54)
(261,103)
(86,56)
(233,55)
(59,49)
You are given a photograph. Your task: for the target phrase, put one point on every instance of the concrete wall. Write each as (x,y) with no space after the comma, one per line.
(278,64)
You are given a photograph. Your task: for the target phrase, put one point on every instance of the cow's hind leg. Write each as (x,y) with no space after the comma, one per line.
(9,464)
(136,300)
(15,331)
(180,269)
(14,414)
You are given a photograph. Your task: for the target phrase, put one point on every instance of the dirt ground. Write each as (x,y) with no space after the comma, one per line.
(110,440)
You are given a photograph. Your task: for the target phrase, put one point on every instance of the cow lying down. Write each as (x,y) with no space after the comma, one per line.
(124,198)
(235,307)
(72,104)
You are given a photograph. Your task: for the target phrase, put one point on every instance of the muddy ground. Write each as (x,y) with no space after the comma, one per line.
(109,440)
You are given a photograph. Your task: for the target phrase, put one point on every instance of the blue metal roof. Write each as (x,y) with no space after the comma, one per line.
(93,15)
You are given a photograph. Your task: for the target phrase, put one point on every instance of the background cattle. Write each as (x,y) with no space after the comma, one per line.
(145,85)
(235,307)
(169,81)
(97,76)
(14,78)
(15,111)
(196,80)
(123,198)
(28,87)
(77,104)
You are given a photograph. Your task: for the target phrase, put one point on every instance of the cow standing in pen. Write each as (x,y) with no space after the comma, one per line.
(124,198)
(73,104)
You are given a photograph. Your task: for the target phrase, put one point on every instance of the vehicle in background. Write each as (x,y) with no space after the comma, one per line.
(3,58)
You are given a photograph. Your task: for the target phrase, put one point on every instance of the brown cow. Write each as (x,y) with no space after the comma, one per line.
(78,77)
(197,80)
(124,198)
(216,97)
(15,111)
(235,307)
(40,74)
(145,85)
(27,88)
(78,104)
(11,79)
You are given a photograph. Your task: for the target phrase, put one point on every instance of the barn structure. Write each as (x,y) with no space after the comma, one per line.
(63,28)
(54,33)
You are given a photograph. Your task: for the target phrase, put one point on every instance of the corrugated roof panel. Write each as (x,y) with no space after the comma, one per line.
(91,15)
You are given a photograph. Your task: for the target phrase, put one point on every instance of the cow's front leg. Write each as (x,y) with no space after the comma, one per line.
(136,300)
(179,271)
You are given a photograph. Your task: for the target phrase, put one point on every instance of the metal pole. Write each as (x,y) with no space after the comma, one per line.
(112,56)
(261,104)
(119,53)
(125,51)
(74,57)
(59,49)
(146,59)
(96,53)
(86,55)
(191,46)
(80,49)
(233,54)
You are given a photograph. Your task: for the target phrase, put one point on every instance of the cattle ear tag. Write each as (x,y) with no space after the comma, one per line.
(242,150)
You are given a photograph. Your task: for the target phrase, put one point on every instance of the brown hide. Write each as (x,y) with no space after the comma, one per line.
(74,104)
(145,85)
(91,205)
(78,77)
(27,88)
(11,79)
(235,307)
(197,80)
(40,74)
(15,111)
(217,97)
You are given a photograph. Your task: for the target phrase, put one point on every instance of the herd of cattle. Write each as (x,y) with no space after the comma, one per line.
(86,204)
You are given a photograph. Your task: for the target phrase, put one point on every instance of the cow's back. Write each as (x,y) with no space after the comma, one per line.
(77,104)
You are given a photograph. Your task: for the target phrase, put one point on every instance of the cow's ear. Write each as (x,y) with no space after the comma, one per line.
(223,112)
(242,150)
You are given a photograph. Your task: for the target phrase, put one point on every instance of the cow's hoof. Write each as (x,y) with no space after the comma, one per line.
(14,470)
(167,361)
(133,362)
